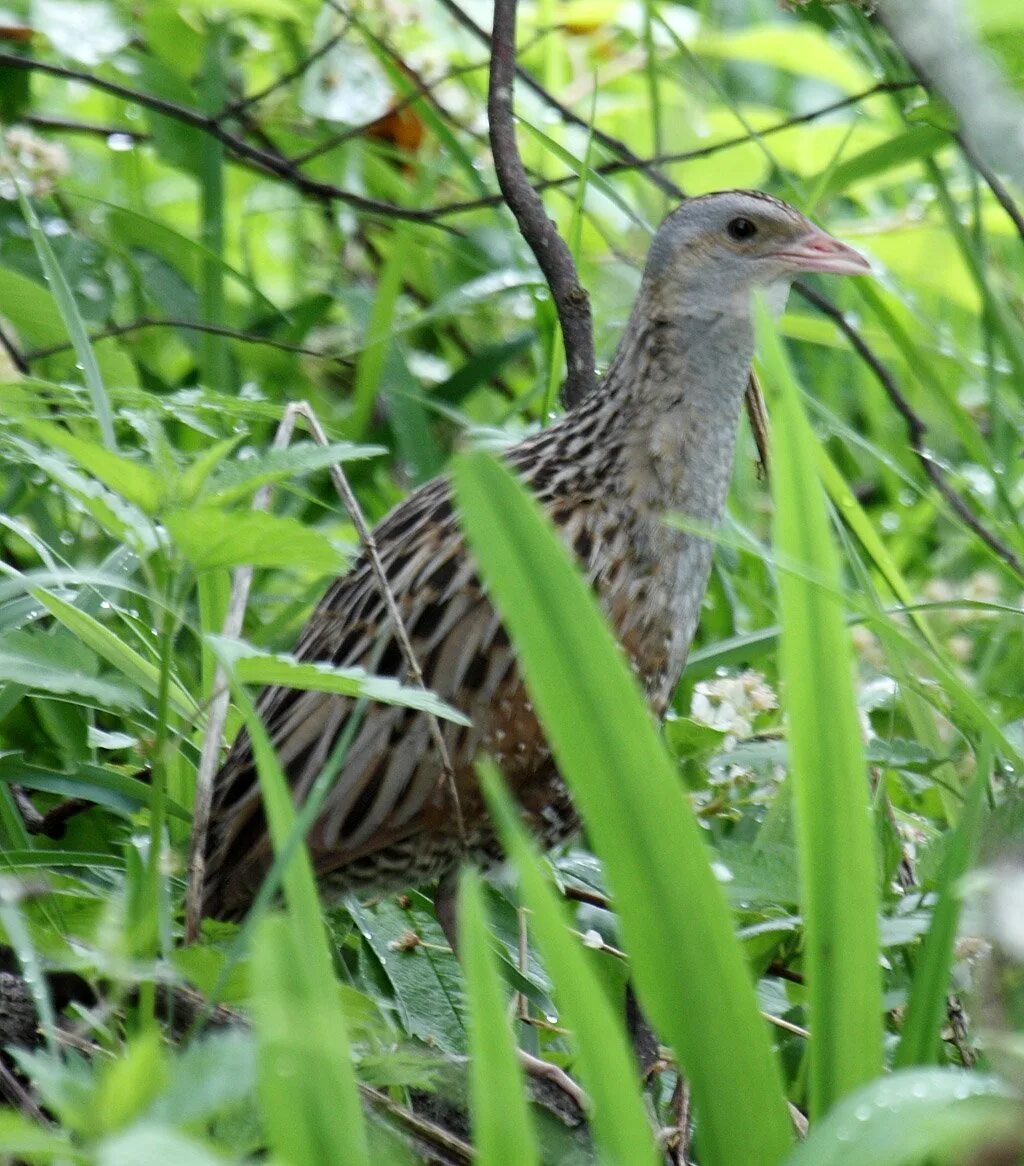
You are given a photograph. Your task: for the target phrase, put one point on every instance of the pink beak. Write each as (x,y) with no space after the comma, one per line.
(818,251)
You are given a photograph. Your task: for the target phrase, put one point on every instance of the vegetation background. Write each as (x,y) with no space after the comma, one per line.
(209,212)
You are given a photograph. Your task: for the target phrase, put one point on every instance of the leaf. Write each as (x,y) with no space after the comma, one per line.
(210,538)
(910,1117)
(607,1064)
(35,659)
(253,666)
(836,843)
(105,787)
(643,828)
(310,1100)
(306,1083)
(115,651)
(237,479)
(502,1130)
(918,142)
(125,476)
(426,981)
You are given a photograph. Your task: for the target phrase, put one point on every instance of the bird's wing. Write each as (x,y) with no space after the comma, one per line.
(391,767)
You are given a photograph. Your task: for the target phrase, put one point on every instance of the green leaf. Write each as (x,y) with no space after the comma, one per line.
(253,666)
(609,1070)
(424,975)
(836,840)
(210,537)
(115,651)
(637,815)
(311,1103)
(502,1130)
(105,787)
(35,660)
(911,1117)
(919,142)
(310,1106)
(71,316)
(237,479)
(125,476)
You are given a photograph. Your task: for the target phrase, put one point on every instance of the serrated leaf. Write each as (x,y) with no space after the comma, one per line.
(236,479)
(210,538)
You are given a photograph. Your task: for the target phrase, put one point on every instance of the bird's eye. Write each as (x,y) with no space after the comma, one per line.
(741,229)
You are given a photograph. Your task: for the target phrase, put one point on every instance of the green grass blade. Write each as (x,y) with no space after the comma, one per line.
(115,651)
(689,969)
(834,830)
(71,316)
(305,1074)
(299,985)
(610,1074)
(926,1008)
(502,1128)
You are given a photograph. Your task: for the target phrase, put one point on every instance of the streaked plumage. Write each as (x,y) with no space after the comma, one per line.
(657,435)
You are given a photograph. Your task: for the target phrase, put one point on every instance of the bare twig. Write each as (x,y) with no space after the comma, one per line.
(678,1141)
(53,823)
(220,701)
(999,189)
(916,428)
(16,357)
(143,322)
(617,147)
(351,504)
(550,250)
(454,1148)
(622,165)
(67,125)
(248,101)
(275,165)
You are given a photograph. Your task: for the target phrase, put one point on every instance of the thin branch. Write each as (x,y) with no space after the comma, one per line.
(351,504)
(248,101)
(274,165)
(916,428)
(68,125)
(568,116)
(548,247)
(996,185)
(53,823)
(144,322)
(209,756)
(14,354)
(622,165)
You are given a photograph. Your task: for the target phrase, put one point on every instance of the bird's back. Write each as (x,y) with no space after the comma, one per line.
(389,819)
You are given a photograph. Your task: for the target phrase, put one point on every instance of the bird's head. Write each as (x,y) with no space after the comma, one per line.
(716,249)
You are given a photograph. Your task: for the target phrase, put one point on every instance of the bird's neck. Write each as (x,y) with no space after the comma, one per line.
(671,402)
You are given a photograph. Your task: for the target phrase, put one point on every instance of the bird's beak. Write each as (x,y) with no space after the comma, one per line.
(818,251)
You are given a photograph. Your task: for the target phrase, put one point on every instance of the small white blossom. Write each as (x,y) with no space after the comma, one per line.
(32,165)
(593,939)
(730,704)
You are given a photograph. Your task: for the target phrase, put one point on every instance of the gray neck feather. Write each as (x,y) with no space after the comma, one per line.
(675,389)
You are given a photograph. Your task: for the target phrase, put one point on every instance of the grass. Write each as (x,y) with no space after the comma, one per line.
(792,891)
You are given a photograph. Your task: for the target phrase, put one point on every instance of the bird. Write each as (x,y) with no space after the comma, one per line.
(656,436)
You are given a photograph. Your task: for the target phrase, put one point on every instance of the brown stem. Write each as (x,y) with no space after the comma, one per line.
(548,247)
(275,165)
(916,427)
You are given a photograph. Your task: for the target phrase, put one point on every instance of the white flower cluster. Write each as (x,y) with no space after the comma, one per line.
(31,164)
(730,704)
